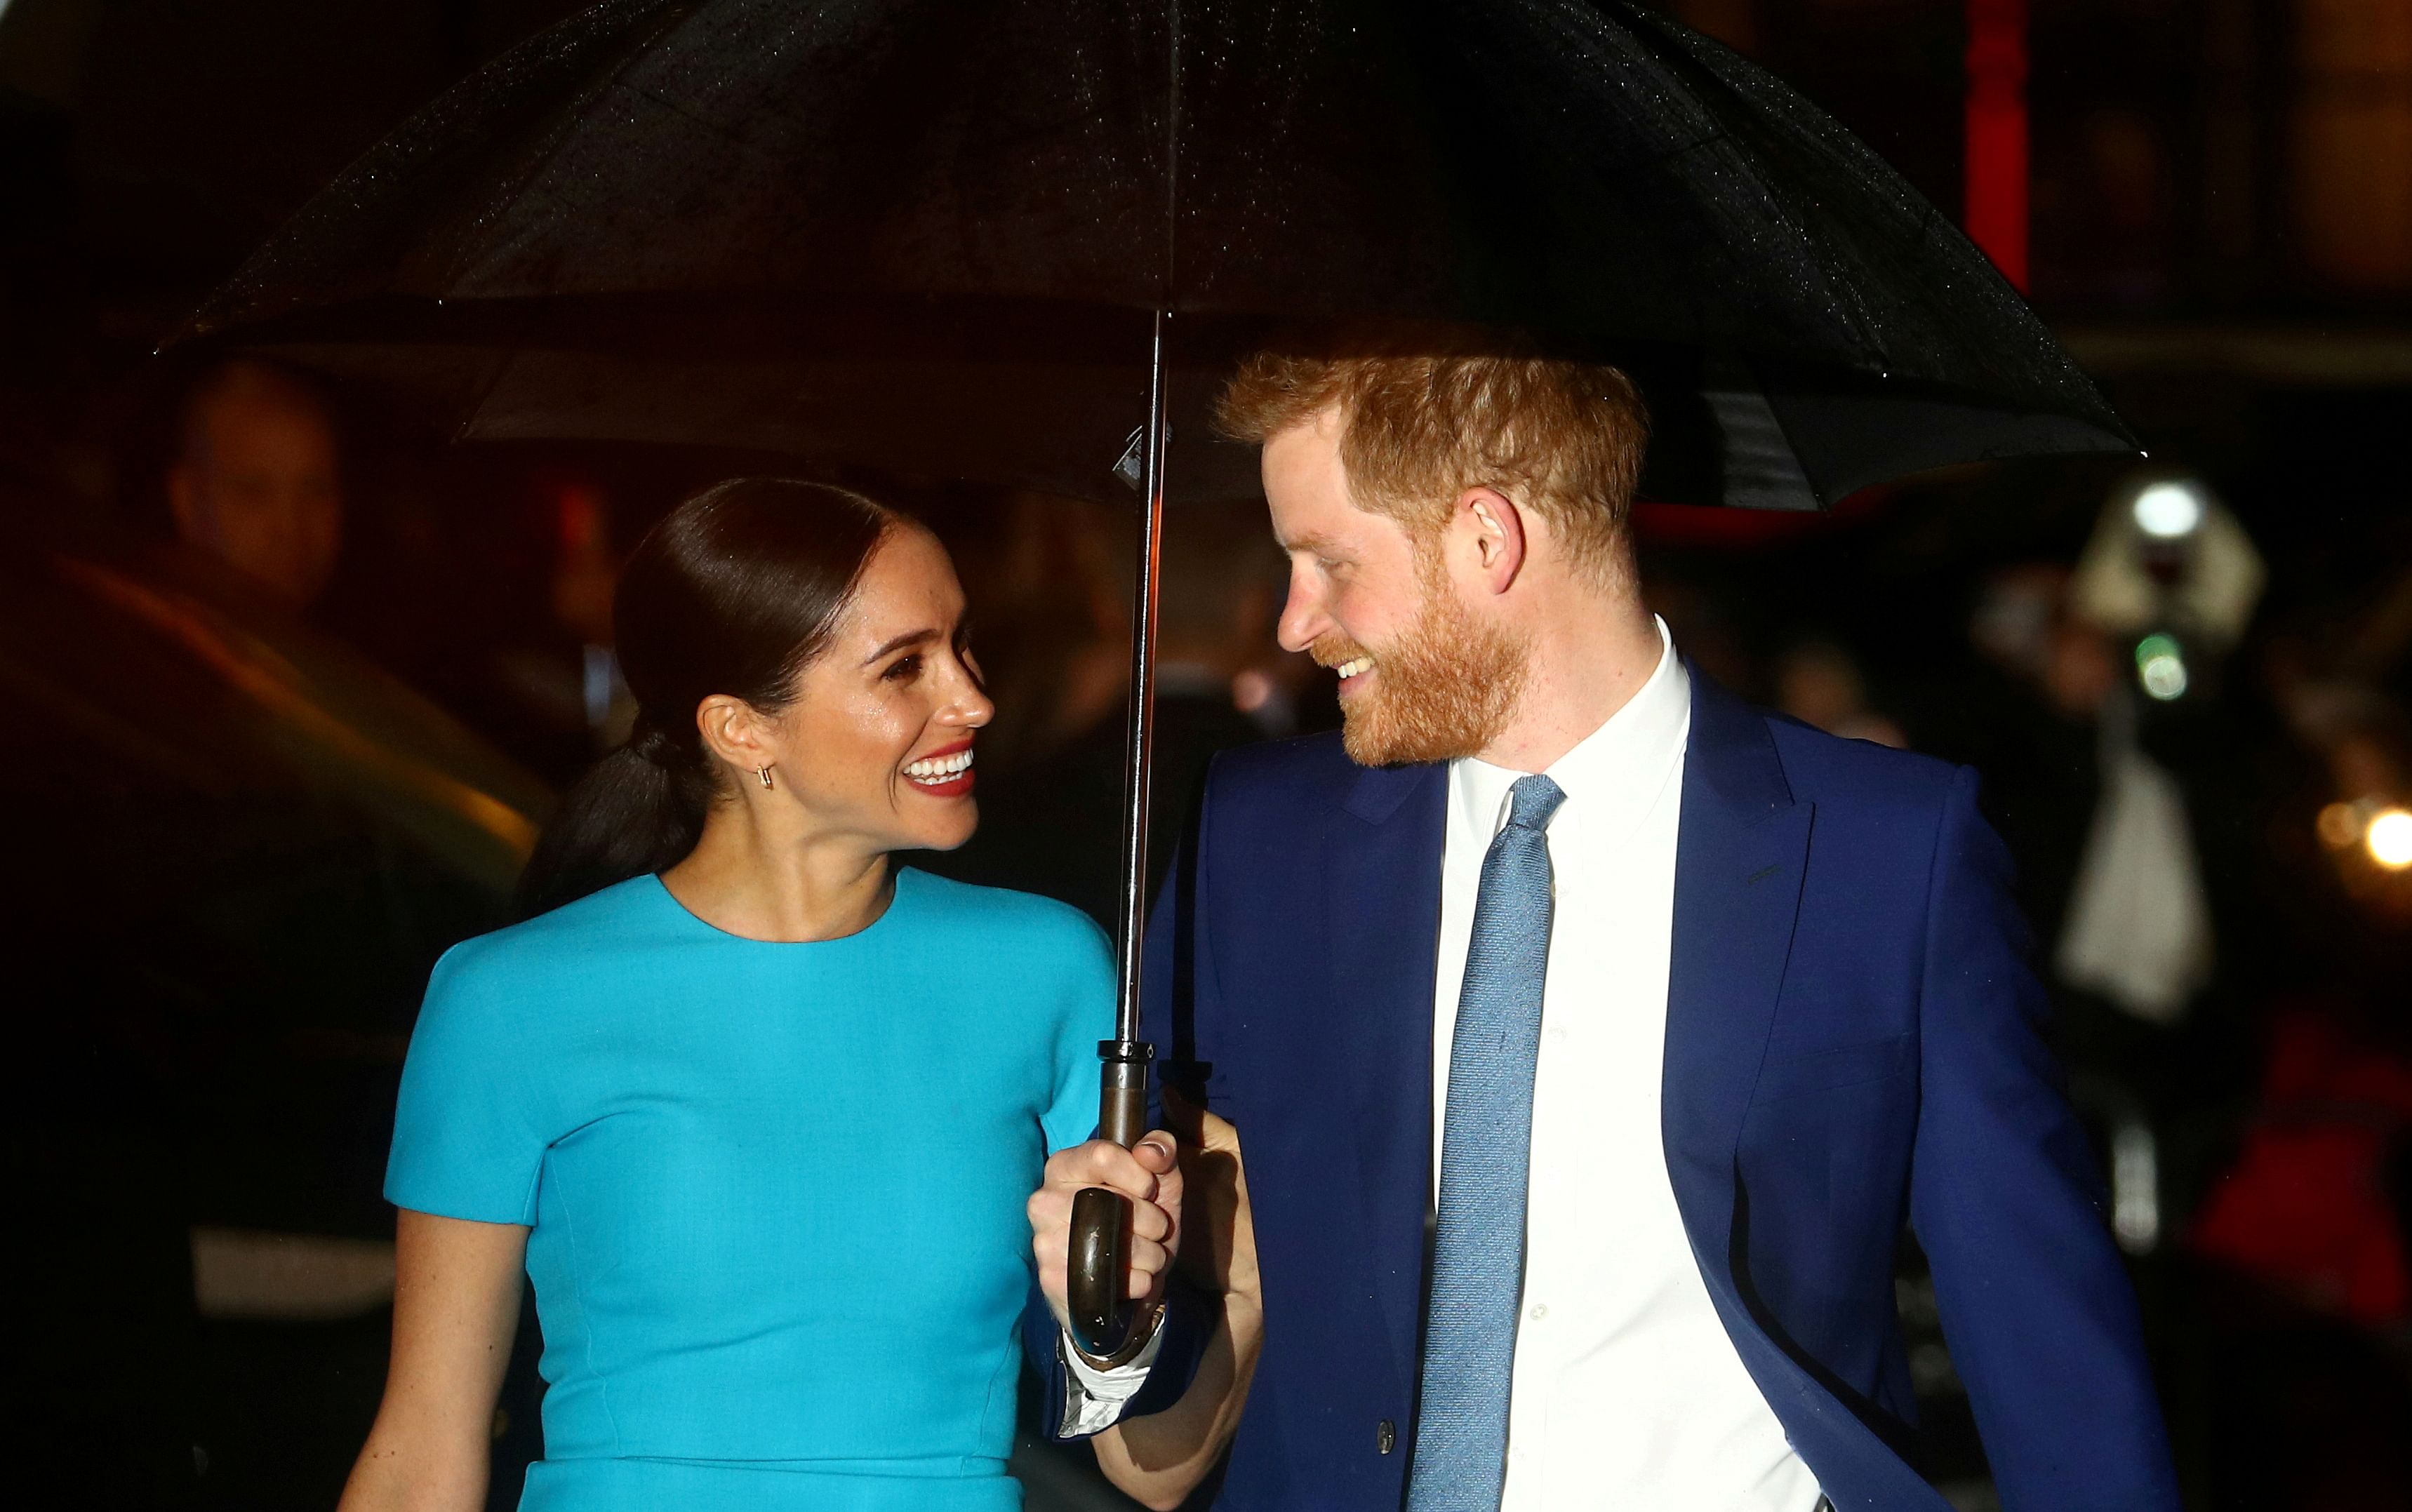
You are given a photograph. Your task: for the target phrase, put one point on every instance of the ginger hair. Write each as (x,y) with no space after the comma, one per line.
(1561,438)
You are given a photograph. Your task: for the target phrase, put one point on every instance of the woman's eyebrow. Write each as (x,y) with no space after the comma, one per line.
(910,638)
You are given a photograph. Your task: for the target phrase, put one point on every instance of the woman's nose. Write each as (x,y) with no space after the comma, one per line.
(969,707)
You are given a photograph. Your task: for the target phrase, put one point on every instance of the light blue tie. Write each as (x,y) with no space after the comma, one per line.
(1461,1464)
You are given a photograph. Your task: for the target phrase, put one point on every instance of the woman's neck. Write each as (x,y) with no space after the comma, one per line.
(746,879)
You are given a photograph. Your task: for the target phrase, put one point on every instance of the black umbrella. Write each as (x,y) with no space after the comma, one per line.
(1017,240)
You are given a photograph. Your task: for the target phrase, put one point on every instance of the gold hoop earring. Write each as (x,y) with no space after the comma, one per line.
(763,772)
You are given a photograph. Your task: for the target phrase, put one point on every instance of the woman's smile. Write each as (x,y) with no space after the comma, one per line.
(945,773)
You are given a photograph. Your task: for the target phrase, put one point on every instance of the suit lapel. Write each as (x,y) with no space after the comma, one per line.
(1741,854)
(1382,912)
(1740,863)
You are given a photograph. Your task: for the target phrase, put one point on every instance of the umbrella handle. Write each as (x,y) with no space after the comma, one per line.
(1105,1322)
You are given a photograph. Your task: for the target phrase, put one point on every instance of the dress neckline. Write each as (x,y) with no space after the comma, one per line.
(905,880)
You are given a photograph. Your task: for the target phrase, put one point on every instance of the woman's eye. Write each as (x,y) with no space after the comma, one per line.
(902,669)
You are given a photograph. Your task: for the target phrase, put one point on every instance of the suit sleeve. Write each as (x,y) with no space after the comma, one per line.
(2006,1201)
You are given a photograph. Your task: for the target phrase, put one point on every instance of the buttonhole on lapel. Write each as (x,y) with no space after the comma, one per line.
(1762,875)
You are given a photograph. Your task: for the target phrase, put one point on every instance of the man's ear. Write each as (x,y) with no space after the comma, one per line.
(1492,529)
(736,732)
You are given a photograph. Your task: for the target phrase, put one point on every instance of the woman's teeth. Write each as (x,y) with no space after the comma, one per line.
(933,771)
(1350,669)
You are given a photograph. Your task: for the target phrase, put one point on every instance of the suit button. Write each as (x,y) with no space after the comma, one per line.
(1385,1436)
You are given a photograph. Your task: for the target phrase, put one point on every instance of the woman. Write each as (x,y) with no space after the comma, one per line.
(756,1110)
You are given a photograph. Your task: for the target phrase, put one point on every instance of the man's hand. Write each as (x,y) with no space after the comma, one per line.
(1221,1257)
(1161,1458)
(1149,1174)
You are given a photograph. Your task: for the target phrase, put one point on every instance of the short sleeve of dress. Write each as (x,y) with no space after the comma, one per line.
(468,1139)
(1088,1018)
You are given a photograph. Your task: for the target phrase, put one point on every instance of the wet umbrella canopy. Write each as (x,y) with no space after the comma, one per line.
(991,238)
(787,224)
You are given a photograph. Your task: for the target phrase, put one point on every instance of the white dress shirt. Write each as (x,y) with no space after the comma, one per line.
(1626,1392)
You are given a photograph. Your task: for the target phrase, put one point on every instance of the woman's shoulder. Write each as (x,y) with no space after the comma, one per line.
(606,922)
(1023,920)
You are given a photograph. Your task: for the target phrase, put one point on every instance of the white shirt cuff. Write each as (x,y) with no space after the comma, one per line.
(1094,1398)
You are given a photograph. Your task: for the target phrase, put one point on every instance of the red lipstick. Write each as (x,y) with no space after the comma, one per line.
(945,773)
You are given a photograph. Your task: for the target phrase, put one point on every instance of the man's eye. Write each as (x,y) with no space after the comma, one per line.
(902,669)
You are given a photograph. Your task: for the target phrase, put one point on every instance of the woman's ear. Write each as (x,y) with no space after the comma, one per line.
(736,732)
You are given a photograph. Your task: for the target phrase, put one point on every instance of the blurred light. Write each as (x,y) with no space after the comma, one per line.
(2391,839)
(2166,511)
(1995,155)
(2160,665)
(1250,690)
(599,683)
(577,518)
(2341,825)
(2135,1186)
(2164,678)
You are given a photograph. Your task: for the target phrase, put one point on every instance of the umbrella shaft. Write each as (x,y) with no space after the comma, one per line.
(1138,757)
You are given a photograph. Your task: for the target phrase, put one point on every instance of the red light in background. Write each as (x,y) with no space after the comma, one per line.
(578,519)
(1996,174)
(1690,525)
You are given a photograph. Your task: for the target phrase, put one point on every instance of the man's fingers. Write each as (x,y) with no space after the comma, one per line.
(1158,1152)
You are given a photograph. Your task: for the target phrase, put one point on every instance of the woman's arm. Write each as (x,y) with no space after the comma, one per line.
(456,1305)
(1159,1458)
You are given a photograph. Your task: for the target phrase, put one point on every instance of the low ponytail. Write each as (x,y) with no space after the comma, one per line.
(734,592)
(629,815)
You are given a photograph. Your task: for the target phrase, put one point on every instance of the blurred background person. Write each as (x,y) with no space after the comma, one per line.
(1819,683)
(250,847)
(556,686)
(256,479)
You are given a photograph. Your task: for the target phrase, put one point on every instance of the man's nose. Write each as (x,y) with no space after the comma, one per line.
(1302,617)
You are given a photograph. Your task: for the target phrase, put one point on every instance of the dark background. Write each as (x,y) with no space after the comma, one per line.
(2221,232)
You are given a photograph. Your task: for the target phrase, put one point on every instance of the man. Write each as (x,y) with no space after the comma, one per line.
(254,483)
(1590,1038)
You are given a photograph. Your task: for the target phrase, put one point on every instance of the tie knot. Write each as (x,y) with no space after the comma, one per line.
(1532,801)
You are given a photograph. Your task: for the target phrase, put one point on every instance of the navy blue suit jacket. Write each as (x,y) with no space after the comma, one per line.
(1851,1045)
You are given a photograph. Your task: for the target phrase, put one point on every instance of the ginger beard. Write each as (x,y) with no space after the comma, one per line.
(1442,690)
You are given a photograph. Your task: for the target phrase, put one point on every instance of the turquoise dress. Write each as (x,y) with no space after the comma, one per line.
(775,1191)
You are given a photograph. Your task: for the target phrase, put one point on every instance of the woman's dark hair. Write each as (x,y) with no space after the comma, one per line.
(734,592)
